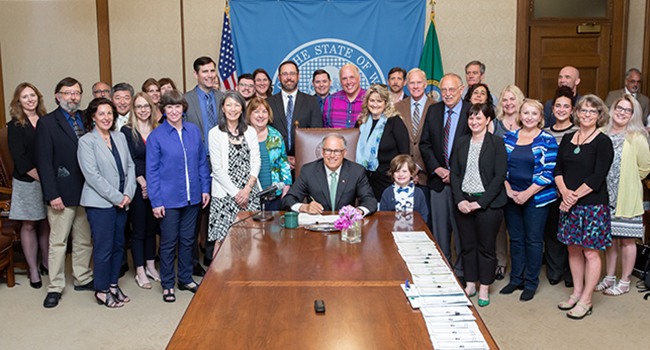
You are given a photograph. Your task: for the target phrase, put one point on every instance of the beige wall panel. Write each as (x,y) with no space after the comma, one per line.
(203,23)
(635,30)
(45,41)
(479,30)
(145,41)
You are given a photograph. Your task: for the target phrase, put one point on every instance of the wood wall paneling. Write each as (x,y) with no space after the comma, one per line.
(104,42)
(2,94)
(645,69)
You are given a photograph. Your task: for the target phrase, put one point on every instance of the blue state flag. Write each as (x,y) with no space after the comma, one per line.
(375,35)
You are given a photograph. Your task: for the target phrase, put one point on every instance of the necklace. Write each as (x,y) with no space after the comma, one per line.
(233,137)
(577,149)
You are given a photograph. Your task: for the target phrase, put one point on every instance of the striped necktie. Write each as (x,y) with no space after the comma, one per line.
(446,143)
(416,119)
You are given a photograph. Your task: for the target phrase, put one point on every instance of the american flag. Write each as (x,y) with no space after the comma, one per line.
(227,69)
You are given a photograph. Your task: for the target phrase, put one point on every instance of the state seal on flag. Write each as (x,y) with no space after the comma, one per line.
(331,54)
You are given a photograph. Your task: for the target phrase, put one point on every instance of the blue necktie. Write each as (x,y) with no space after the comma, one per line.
(210,110)
(289,117)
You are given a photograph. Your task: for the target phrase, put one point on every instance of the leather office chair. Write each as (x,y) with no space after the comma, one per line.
(307,144)
(9,228)
(7,258)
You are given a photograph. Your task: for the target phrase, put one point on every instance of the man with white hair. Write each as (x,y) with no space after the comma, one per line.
(633,80)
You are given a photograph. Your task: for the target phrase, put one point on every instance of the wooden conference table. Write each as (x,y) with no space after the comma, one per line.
(259,292)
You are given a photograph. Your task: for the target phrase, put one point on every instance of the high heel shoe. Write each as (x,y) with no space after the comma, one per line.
(119,295)
(109,301)
(150,275)
(44,271)
(36,285)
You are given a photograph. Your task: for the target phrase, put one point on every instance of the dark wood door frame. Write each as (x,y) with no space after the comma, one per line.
(2,96)
(617,10)
(645,65)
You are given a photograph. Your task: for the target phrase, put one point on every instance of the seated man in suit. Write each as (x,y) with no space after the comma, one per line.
(633,80)
(331,182)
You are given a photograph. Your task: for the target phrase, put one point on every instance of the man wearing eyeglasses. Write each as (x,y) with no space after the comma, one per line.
(290,106)
(444,123)
(246,86)
(569,76)
(204,105)
(101,89)
(57,135)
(633,79)
(331,182)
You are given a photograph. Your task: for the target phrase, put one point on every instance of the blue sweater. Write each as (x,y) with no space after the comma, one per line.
(419,203)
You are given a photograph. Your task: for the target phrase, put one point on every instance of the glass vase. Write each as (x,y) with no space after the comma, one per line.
(353,234)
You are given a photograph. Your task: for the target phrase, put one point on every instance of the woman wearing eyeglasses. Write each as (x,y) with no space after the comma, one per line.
(631,164)
(143,239)
(152,88)
(583,161)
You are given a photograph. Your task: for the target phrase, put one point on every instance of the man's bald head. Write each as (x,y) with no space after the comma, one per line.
(569,76)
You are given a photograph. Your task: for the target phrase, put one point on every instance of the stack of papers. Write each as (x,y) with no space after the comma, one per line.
(435,291)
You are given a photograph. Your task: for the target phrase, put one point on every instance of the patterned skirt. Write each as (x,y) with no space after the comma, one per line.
(586,225)
(27,201)
(627,227)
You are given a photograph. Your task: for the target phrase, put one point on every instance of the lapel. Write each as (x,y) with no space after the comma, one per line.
(63,123)
(321,177)
(461,127)
(103,149)
(279,106)
(194,101)
(423,115)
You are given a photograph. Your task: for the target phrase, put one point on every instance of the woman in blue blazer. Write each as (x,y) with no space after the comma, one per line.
(109,171)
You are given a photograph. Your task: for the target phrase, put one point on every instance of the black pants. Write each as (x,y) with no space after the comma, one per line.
(555,252)
(145,226)
(478,231)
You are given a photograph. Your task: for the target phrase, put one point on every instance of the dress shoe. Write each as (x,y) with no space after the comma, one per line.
(483,303)
(192,287)
(123,270)
(510,288)
(88,286)
(146,285)
(527,295)
(44,271)
(568,284)
(150,275)
(51,300)
(198,270)
(36,285)
(553,282)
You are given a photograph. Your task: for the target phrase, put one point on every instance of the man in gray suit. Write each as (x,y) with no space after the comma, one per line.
(291,105)
(203,108)
(632,85)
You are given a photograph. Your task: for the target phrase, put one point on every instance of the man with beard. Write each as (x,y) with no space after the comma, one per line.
(57,135)
(246,86)
(342,108)
(290,105)
(633,80)
(396,82)
(121,95)
(322,83)
(569,76)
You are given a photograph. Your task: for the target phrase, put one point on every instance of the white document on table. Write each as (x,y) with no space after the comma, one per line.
(309,219)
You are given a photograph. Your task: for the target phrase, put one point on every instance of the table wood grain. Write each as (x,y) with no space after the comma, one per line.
(259,291)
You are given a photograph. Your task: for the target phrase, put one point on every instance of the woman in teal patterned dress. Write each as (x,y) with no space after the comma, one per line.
(275,167)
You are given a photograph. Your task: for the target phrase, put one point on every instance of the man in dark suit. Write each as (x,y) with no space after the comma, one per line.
(633,79)
(204,105)
(291,105)
(443,124)
(413,110)
(331,183)
(57,135)
(322,82)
